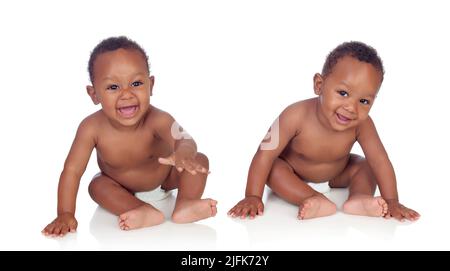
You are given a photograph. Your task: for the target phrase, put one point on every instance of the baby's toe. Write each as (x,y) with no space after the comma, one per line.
(212,202)
(213,210)
(123,227)
(123,217)
(301,212)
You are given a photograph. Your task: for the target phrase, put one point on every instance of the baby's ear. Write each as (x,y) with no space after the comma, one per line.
(318,81)
(91,93)
(152,83)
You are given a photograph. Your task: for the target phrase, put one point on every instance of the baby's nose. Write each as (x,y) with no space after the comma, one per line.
(351,107)
(126,93)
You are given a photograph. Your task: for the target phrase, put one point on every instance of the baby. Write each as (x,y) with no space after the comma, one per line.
(312,139)
(139,147)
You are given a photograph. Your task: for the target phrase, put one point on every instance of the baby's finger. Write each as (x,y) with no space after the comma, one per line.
(398,216)
(45,230)
(231,211)
(178,164)
(412,215)
(190,170)
(415,214)
(253,213)
(64,230)
(73,227)
(53,229)
(201,169)
(406,215)
(260,209)
(166,161)
(48,230)
(190,167)
(56,230)
(237,212)
(244,213)
(196,166)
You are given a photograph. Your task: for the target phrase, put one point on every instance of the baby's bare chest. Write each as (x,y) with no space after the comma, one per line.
(321,148)
(130,151)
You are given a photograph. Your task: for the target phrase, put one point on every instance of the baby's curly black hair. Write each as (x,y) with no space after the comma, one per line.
(356,49)
(112,44)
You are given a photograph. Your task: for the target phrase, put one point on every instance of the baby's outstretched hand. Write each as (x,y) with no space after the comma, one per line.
(400,212)
(63,224)
(250,206)
(183,161)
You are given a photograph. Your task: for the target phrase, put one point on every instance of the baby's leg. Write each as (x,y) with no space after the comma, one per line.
(133,213)
(189,207)
(285,183)
(358,177)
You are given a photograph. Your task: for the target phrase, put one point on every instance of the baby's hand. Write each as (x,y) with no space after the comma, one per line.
(184,161)
(400,212)
(251,206)
(61,225)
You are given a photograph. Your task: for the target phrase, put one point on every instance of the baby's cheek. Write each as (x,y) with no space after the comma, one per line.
(362,116)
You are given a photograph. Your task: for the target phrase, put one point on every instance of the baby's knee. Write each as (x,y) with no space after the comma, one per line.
(97,185)
(202,159)
(94,186)
(363,166)
(359,163)
(279,168)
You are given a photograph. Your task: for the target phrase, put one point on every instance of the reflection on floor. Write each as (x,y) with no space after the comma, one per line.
(278,229)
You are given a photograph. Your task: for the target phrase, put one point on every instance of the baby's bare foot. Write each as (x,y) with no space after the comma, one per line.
(188,211)
(316,206)
(142,216)
(365,205)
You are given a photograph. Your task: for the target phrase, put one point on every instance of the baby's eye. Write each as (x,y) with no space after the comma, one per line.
(113,87)
(137,83)
(364,101)
(343,93)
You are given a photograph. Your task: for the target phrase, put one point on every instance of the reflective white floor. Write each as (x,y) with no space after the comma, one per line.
(278,229)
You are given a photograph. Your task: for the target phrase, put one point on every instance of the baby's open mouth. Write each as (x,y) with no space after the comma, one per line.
(342,118)
(128,111)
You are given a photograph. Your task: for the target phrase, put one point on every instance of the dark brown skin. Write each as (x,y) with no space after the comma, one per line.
(315,140)
(136,151)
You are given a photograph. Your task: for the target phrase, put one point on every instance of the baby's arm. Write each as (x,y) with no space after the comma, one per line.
(381,166)
(282,131)
(185,148)
(69,181)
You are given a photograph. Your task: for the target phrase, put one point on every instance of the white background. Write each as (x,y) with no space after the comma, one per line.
(224,70)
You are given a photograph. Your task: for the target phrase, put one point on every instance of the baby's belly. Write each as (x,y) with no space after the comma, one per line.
(316,172)
(139,178)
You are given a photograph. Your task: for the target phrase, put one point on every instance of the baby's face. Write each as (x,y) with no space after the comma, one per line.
(123,86)
(348,92)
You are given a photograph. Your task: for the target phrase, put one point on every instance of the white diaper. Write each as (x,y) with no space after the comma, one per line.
(153,195)
(320,187)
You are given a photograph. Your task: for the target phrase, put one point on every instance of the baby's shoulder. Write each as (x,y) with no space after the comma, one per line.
(157,117)
(95,118)
(92,123)
(365,126)
(297,111)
